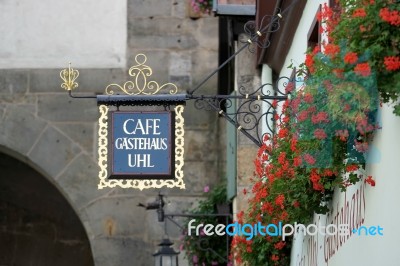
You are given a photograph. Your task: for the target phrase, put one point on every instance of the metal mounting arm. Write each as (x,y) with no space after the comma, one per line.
(253,109)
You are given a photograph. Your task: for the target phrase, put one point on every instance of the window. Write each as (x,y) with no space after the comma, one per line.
(314,35)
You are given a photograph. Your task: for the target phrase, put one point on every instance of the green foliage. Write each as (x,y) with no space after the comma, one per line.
(364,28)
(210,250)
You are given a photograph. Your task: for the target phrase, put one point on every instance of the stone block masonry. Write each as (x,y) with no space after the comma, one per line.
(57,136)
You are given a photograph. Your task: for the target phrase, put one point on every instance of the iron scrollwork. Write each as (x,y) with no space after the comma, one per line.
(268,25)
(254,109)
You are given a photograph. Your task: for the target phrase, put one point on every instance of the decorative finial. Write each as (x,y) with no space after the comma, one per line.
(69,76)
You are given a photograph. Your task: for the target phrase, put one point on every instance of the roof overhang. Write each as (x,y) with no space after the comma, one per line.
(281,40)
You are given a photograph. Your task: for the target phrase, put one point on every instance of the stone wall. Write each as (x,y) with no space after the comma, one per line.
(249,78)
(57,135)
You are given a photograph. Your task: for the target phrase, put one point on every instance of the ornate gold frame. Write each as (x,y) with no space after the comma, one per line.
(139,183)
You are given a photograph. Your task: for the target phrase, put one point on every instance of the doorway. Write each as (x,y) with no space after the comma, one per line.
(37,224)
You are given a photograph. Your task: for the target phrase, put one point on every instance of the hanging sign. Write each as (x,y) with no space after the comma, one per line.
(142,145)
(140,149)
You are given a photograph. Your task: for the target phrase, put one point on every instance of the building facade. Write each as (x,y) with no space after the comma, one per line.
(361,205)
(52,212)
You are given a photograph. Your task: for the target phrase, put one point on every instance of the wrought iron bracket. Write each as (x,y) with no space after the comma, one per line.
(255,108)
(253,111)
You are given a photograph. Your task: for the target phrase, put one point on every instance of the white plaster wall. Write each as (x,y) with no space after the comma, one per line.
(381,201)
(49,34)
(296,54)
(380,204)
(266,78)
(298,49)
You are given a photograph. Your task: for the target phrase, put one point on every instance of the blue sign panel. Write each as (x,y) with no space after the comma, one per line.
(142,145)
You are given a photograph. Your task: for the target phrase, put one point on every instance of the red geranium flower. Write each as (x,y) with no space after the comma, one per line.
(351,168)
(370,181)
(319,133)
(280,245)
(316,50)
(249,249)
(289,87)
(320,117)
(318,187)
(274,257)
(282,158)
(363,69)
(308,98)
(312,109)
(328,172)
(314,176)
(284,216)
(267,207)
(309,62)
(350,58)
(392,17)
(342,134)
(309,159)
(303,115)
(359,13)
(361,146)
(297,161)
(331,49)
(392,63)
(295,104)
(283,132)
(293,144)
(279,200)
(338,72)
